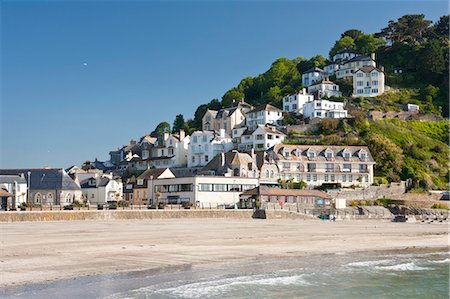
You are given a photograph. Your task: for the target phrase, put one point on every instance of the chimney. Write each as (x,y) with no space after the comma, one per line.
(222,159)
(382,68)
(372,55)
(132,142)
(304,90)
(166,136)
(222,133)
(252,153)
(182,134)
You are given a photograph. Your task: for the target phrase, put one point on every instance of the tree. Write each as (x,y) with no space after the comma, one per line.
(432,60)
(345,42)
(367,43)
(161,128)
(178,123)
(353,33)
(196,123)
(410,29)
(214,105)
(232,95)
(315,61)
(387,155)
(441,28)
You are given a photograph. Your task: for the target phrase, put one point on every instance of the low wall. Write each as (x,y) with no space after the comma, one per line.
(371,192)
(121,215)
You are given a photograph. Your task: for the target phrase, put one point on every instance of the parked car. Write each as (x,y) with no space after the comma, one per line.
(399,218)
(68,207)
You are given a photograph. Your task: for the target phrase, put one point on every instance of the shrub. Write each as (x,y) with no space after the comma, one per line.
(355,203)
(439,206)
(382,202)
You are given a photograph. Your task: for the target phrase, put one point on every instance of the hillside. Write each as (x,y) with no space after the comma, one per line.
(414,52)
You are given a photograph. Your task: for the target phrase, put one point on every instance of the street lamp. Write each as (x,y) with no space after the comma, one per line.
(29,189)
(151,191)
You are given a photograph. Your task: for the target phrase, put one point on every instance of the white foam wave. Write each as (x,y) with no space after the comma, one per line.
(369,263)
(213,288)
(403,267)
(447,260)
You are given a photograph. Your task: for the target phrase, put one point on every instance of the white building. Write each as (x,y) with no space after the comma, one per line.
(203,191)
(319,164)
(412,108)
(204,145)
(345,54)
(368,81)
(295,102)
(101,189)
(330,69)
(170,150)
(324,109)
(226,118)
(263,115)
(16,185)
(312,76)
(347,68)
(324,88)
(263,138)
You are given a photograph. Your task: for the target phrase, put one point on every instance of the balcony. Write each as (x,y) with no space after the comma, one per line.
(197,150)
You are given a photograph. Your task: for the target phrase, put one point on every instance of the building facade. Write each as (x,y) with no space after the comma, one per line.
(317,165)
(368,81)
(263,115)
(324,88)
(263,138)
(324,109)
(205,145)
(170,150)
(312,76)
(226,118)
(295,102)
(100,189)
(17,186)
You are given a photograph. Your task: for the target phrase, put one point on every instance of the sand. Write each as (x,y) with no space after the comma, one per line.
(38,252)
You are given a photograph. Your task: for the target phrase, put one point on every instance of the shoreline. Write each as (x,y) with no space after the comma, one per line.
(121,248)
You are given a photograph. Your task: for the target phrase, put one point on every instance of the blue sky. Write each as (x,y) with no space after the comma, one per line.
(82,78)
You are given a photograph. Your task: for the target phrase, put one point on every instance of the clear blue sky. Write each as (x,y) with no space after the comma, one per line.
(146,62)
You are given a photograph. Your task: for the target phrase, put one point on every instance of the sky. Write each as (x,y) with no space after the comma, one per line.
(81,78)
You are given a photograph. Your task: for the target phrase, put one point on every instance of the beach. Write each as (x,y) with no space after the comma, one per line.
(40,252)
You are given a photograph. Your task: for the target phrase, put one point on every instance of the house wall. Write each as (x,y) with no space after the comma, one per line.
(19,192)
(363,84)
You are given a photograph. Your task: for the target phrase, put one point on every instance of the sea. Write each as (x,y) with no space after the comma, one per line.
(399,274)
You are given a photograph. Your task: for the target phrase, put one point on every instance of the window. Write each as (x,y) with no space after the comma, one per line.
(346,155)
(269,136)
(193,159)
(311,155)
(194,139)
(206,158)
(374,74)
(363,168)
(329,155)
(286,166)
(205,187)
(204,138)
(311,167)
(286,108)
(325,178)
(359,75)
(359,83)
(346,168)
(315,177)
(140,182)
(294,106)
(367,91)
(267,173)
(308,178)
(260,146)
(333,178)
(359,91)
(344,178)
(92,195)
(271,174)
(38,197)
(375,82)
(318,113)
(329,167)
(259,137)
(374,90)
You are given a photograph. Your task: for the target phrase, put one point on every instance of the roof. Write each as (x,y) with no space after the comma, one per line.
(230,158)
(368,69)
(324,81)
(266,107)
(4,193)
(100,182)
(267,191)
(270,129)
(46,178)
(347,50)
(9,179)
(314,69)
(155,172)
(359,58)
(299,152)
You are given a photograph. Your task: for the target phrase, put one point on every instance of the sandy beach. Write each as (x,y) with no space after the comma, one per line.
(37,252)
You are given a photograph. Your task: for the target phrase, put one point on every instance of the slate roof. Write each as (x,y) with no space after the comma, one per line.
(10,179)
(267,107)
(100,182)
(314,69)
(368,69)
(359,58)
(155,172)
(267,191)
(45,178)
(231,158)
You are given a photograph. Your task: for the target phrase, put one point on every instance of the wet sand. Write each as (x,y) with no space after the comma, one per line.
(38,252)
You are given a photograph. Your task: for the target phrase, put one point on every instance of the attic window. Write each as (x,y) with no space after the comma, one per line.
(362,155)
(329,155)
(311,155)
(346,155)
(91,182)
(140,182)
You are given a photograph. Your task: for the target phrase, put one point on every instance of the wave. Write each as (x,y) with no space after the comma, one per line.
(403,267)
(221,286)
(369,263)
(447,260)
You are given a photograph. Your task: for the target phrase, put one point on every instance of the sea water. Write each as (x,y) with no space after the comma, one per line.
(362,275)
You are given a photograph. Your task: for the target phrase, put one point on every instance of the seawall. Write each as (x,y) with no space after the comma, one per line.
(138,214)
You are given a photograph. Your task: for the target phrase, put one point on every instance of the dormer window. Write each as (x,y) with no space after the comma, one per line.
(92,182)
(311,155)
(140,182)
(346,154)
(329,154)
(362,154)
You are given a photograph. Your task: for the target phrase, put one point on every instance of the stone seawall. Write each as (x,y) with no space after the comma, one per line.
(140,214)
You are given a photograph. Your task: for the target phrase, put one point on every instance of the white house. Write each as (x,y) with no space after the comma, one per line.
(16,185)
(263,138)
(345,54)
(331,68)
(226,118)
(324,109)
(262,115)
(324,88)
(101,189)
(295,102)
(319,164)
(170,150)
(412,108)
(312,76)
(347,68)
(368,81)
(203,191)
(204,145)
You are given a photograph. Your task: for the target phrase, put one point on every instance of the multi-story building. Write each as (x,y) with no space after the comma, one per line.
(263,138)
(145,181)
(345,54)
(324,88)
(100,189)
(205,145)
(263,115)
(324,109)
(295,102)
(16,185)
(170,150)
(348,67)
(226,118)
(368,81)
(316,165)
(312,76)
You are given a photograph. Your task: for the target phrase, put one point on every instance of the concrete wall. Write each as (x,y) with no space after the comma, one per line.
(371,192)
(141,214)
